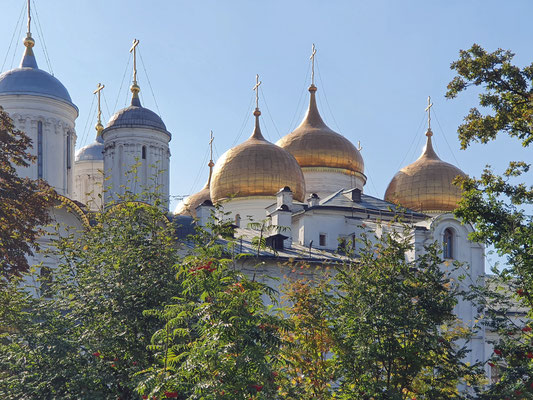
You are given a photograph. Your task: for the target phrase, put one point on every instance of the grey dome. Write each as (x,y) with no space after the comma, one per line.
(136,116)
(29,79)
(91,152)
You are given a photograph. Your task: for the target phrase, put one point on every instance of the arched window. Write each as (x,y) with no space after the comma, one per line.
(39,149)
(447,243)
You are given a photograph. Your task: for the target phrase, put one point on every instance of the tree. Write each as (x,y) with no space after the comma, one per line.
(394,331)
(499,208)
(88,337)
(219,339)
(23,202)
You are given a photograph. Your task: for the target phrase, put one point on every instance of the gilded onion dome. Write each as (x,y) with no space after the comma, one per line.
(256,167)
(189,204)
(315,145)
(426,185)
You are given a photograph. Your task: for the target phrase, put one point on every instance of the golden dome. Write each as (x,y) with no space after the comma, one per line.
(256,167)
(189,204)
(426,185)
(315,145)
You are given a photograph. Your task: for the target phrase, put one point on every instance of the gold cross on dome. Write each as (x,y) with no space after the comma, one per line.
(134,50)
(29,19)
(312,58)
(256,89)
(97,91)
(211,138)
(428,109)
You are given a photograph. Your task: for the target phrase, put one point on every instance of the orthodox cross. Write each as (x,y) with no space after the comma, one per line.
(312,58)
(256,89)
(97,91)
(134,50)
(428,109)
(211,138)
(29,19)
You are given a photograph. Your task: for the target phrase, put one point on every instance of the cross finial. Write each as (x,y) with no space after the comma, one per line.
(312,58)
(98,90)
(211,138)
(134,50)
(428,109)
(29,19)
(359,147)
(256,89)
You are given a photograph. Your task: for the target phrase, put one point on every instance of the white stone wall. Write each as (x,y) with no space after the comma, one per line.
(88,183)
(58,119)
(123,151)
(250,209)
(324,182)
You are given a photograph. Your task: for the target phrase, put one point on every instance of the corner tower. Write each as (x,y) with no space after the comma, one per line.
(41,106)
(136,151)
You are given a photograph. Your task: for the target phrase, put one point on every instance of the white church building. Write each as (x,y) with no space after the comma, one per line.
(312,181)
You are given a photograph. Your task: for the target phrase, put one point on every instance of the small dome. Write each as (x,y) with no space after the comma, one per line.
(314,144)
(256,167)
(91,152)
(29,79)
(426,185)
(189,204)
(136,116)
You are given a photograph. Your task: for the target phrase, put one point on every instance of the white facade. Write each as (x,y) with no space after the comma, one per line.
(137,160)
(88,183)
(324,181)
(50,124)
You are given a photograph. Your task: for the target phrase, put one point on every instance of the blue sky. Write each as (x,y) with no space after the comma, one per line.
(377,63)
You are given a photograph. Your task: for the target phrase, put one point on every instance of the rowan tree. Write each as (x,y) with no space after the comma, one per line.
(24,202)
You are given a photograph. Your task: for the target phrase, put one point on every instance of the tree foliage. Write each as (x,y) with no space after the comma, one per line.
(86,336)
(24,202)
(499,207)
(394,331)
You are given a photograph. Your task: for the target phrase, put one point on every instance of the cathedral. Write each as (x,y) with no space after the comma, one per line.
(311,182)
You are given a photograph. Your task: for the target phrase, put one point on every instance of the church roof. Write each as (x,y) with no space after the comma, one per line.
(91,152)
(136,116)
(342,200)
(28,79)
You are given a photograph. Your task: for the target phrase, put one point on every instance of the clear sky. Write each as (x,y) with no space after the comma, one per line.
(377,61)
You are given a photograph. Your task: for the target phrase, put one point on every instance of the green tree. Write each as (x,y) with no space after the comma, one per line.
(88,338)
(395,335)
(499,207)
(24,202)
(219,339)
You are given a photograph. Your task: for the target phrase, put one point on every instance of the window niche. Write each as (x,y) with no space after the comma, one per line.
(447,244)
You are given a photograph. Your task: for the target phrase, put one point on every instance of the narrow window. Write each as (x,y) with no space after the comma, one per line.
(69,138)
(144,153)
(447,244)
(39,150)
(322,239)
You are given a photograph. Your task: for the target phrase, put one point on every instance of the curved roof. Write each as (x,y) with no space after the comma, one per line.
(314,144)
(29,79)
(136,116)
(91,152)
(256,167)
(427,184)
